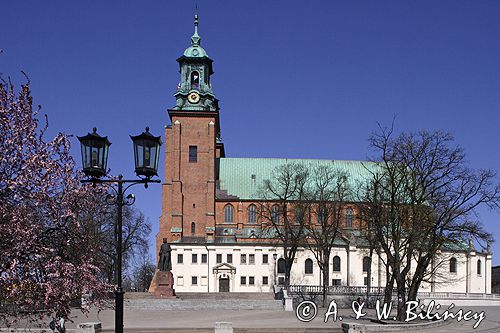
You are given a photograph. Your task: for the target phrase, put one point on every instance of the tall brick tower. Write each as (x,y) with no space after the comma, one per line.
(192,146)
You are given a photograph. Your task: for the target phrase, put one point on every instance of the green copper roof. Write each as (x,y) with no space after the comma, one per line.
(195,50)
(243,177)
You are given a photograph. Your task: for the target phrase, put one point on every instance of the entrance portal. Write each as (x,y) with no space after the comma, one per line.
(224,273)
(224,285)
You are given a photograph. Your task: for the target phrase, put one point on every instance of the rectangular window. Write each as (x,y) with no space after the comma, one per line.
(265,280)
(180,280)
(193,154)
(251,280)
(243,259)
(229,259)
(203,281)
(180,258)
(336,282)
(243,281)
(265,259)
(203,258)
(281,280)
(194,280)
(251,259)
(219,258)
(365,281)
(367,261)
(194,258)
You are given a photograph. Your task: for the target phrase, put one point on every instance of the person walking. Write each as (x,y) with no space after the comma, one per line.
(52,324)
(61,328)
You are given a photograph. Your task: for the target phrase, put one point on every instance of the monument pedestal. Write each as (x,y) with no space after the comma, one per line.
(162,285)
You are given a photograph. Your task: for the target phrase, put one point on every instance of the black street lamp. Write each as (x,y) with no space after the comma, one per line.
(146,153)
(94,159)
(275,257)
(94,154)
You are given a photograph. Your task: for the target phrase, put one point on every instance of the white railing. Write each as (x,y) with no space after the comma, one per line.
(363,290)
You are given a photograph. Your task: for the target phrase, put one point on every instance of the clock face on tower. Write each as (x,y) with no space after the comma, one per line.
(193,97)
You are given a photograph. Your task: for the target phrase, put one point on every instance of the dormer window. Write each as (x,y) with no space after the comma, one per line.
(195,80)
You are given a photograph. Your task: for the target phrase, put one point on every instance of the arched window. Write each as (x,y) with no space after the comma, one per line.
(275,214)
(349,216)
(228,214)
(453,265)
(322,214)
(252,214)
(309,266)
(193,228)
(195,79)
(336,264)
(479,267)
(281,266)
(299,215)
(366,263)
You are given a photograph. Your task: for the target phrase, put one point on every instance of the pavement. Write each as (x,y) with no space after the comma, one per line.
(136,319)
(150,319)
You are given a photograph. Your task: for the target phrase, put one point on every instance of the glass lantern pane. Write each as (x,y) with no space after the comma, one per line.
(89,156)
(157,157)
(135,155)
(84,156)
(147,157)
(153,157)
(94,158)
(105,158)
(140,154)
(101,157)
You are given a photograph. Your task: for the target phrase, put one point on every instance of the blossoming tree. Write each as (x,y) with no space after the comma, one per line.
(46,257)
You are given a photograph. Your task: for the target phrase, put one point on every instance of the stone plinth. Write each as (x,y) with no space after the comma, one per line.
(94,327)
(162,285)
(223,327)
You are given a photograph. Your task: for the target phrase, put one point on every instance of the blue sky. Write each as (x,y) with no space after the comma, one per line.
(302,79)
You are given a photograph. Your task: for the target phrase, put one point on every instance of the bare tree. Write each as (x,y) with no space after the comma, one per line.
(373,212)
(422,200)
(136,231)
(326,199)
(143,272)
(283,206)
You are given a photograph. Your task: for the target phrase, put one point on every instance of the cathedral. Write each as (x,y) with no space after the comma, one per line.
(210,209)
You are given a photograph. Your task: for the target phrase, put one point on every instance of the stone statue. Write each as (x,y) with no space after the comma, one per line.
(165,262)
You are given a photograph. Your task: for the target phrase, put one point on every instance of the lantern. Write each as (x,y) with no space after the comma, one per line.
(146,153)
(94,154)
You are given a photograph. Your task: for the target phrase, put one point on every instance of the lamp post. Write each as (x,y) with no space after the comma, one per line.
(94,159)
(275,256)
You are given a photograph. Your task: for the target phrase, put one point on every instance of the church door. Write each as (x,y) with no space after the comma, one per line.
(224,285)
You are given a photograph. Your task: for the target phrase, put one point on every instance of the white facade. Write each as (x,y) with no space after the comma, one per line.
(254,268)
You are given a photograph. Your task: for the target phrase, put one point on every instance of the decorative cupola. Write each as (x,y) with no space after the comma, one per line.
(194,92)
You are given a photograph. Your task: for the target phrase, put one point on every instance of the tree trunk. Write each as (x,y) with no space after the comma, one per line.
(326,276)
(288,269)
(416,280)
(369,276)
(401,298)
(389,286)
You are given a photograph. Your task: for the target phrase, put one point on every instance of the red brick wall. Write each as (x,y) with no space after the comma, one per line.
(188,191)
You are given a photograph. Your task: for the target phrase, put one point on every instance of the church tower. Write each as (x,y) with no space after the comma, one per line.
(192,146)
